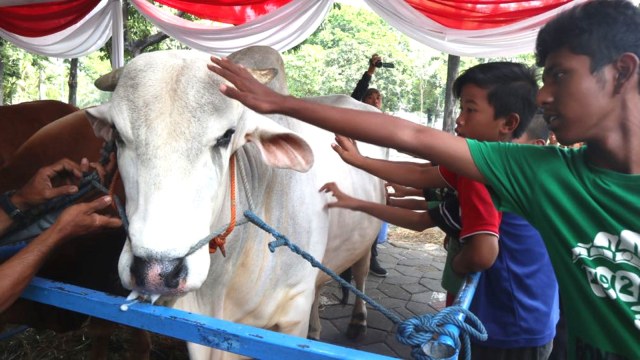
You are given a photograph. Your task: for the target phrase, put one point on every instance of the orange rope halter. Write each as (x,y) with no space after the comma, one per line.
(218,241)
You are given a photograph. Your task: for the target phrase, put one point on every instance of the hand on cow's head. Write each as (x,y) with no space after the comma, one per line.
(249,86)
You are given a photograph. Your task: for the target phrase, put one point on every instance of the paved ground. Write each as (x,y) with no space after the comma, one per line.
(412,287)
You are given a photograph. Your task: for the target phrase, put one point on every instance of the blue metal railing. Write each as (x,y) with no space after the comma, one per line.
(228,336)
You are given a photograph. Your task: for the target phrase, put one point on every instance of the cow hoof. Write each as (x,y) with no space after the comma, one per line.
(356,332)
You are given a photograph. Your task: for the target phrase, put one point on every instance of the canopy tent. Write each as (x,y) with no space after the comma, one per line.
(73,28)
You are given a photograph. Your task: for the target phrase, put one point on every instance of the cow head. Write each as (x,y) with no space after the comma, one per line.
(175,133)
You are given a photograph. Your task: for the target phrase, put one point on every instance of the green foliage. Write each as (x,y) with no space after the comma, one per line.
(334,58)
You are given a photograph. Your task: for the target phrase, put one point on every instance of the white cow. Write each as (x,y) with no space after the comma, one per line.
(176,134)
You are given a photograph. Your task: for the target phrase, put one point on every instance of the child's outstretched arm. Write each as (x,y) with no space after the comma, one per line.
(416,175)
(375,128)
(405,218)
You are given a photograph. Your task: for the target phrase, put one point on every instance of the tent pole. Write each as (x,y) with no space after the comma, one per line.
(117,37)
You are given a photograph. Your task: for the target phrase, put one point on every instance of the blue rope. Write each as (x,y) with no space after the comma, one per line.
(89,182)
(282,240)
(415,331)
(418,330)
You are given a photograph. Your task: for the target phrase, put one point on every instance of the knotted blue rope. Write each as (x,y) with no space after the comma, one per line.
(415,331)
(90,181)
(419,330)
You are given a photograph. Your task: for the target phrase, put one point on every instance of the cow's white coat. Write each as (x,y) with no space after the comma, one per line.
(169,115)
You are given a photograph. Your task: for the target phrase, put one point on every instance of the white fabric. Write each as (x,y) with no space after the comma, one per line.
(281,29)
(508,40)
(84,37)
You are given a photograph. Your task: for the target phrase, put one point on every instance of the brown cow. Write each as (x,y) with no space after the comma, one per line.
(87,262)
(20,121)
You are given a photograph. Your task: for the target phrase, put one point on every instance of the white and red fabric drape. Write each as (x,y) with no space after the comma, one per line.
(72,28)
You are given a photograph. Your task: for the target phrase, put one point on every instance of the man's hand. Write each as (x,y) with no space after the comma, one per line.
(104,172)
(372,63)
(347,150)
(49,182)
(83,219)
(248,90)
(343,200)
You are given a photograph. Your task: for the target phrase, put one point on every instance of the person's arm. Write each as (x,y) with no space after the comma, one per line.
(478,253)
(405,218)
(363,84)
(49,182)
(80,219)
(411,204)
(480,225)
(375,128)
(400,191)
(416,175)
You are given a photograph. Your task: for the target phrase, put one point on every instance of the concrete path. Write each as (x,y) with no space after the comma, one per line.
(411,287)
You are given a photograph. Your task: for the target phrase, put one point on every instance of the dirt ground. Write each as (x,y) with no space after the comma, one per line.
(46,345)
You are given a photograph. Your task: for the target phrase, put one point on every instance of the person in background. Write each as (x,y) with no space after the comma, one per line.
(371,96)
(49,182)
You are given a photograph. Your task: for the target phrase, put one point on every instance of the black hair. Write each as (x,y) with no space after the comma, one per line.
(369,92)
(600,29)
(538,128)
(511,88)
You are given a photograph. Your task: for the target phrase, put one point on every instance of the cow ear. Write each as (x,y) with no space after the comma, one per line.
(264,75)
(100,122)
(279,146)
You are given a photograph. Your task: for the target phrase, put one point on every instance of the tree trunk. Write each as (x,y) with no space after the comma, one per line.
(449,122)
(73,81)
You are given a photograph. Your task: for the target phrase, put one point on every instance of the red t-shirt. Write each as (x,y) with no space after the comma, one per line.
(477,212)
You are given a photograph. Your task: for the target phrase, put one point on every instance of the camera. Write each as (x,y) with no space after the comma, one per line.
(380,64)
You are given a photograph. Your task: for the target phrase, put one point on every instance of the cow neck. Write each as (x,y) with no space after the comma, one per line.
(218,241)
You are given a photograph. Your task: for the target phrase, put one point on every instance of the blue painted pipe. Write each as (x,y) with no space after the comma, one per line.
(236,338)
(444,347)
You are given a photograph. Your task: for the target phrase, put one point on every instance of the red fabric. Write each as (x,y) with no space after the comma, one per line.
(234,12)
(482,14)
(477,212)
(44,18)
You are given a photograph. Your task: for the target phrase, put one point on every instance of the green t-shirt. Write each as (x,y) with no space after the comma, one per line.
(589,219)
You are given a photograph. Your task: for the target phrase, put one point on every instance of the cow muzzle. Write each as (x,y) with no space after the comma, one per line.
(159,276)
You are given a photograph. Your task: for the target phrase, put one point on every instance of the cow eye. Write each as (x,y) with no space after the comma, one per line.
(225,139)
(117,137)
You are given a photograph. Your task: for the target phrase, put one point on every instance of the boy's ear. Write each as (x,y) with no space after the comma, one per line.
(626,66)
(510,124)
(539,142)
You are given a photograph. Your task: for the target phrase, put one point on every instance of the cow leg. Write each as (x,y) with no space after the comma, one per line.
(100,332)
(315,326)
(141,344)
(358,325)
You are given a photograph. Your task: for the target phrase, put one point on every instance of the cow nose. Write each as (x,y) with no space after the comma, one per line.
(153,274)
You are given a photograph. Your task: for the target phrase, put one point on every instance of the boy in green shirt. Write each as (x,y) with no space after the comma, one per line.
(585,202)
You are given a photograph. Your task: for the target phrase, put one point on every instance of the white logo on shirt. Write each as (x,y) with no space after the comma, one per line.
(612,280)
